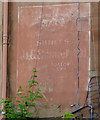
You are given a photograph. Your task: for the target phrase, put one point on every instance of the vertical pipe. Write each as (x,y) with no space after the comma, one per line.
(5,27)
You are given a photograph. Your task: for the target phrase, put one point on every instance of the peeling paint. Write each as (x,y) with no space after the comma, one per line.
(59,5)
(18,15)
(50,89)
(44,96)
(29,56)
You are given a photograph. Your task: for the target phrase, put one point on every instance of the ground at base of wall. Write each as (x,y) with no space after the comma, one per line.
(55,119)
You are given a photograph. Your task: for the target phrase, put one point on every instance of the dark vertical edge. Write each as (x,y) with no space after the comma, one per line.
(0,48)
(99,52)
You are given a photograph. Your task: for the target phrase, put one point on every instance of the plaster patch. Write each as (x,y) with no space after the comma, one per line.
(50,89)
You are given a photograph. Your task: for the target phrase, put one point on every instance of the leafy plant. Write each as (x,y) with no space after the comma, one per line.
(18,107)
(68,116)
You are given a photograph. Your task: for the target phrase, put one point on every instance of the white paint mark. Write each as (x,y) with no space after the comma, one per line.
(68,64)
(89,43)
(50,89)
(89,38)
(42,67)
(34,23)
(55,17)
(17,73)
(51,99)
(18,15)
(59,5)
(30,55)
(61,66)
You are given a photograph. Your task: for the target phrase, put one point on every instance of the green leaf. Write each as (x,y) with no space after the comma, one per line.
(13,98)
(18,101)
(39,90)
(7,99)
(10,104)
(37,93)
(29,114)
(33,76)
(67,115)
(27,103)
(30,82)
(33,104)
(31,86)
(19,94)
(35,82)
(34,70)
(20,87)
(32,97)
(39,96)
(27,98)
(31,93)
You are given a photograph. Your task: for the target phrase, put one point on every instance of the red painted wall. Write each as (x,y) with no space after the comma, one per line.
(53,33)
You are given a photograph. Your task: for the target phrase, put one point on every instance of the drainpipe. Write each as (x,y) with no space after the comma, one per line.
(5,37)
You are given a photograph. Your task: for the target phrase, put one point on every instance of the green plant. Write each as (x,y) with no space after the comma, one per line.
(18,107)
(67,116)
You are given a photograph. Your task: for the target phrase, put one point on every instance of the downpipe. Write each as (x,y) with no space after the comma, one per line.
(5,38)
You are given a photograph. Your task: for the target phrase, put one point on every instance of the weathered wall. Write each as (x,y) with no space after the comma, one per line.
(99,51)
(0,50)
(0,46)
(94,37)
(95,53)
(57,61)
